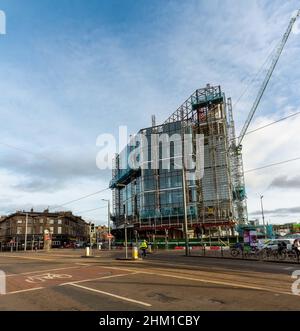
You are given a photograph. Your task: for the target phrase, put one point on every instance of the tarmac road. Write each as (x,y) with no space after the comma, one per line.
(166,281)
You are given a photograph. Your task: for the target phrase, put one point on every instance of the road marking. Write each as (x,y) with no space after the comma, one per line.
(65,255)
(289,268)
(46,276)
(219,265)
(45,270)
(27,290)
(98,278)
(28,257)
(206,281)
(83,264)
(112,295)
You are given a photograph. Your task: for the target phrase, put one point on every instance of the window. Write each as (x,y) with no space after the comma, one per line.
(41,229)
(19,230)
(20,221)
(59,229)
(51,221)
(41,221)
(59,221)
(52,229)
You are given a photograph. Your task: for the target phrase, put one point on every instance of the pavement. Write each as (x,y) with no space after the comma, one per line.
(62,280)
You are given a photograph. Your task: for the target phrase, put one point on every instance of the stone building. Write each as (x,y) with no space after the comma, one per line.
(64,229)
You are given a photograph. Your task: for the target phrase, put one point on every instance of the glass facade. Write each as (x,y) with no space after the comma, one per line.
(153,193)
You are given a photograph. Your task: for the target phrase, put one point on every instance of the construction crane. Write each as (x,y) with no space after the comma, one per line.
(236,147)
(267,78)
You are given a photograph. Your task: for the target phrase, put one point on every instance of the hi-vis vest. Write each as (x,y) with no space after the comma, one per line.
(143,245)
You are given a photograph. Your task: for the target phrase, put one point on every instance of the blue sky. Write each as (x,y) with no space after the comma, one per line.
(73,69)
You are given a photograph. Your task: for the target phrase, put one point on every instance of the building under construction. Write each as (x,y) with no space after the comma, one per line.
(151,201)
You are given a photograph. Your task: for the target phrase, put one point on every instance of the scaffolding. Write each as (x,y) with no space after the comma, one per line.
(237,172)
(152,198)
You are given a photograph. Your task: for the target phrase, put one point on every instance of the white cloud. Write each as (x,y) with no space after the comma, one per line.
(77,87)
(274,144)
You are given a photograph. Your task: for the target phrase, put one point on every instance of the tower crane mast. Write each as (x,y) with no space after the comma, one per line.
(238,183)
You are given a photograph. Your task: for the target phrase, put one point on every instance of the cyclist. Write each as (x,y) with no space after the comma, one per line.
(143,248)
(282,246)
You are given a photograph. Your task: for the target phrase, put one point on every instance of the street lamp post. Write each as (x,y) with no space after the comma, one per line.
(32,241)
(90,234)
(263,215)
(187,253)
(26,225)
(185,225)
(108,222)
(125,234)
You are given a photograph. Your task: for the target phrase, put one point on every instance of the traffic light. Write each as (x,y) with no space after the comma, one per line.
(92,227)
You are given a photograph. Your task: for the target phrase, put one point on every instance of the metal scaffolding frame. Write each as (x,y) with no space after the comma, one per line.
(237,171)
(221,199)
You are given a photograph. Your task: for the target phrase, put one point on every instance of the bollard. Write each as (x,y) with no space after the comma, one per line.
(135,253)
(87,251)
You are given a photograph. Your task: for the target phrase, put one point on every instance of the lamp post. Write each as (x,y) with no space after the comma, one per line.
(125,234)
(187,253)
(108,222)
(263,215)
(185,226)
(25,240)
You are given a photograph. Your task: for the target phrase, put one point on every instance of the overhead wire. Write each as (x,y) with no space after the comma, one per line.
(272,165)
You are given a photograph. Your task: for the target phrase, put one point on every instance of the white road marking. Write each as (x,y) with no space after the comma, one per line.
(27,290)
(112,295)
(98,278)
(65,255)
(28,257)
(45,277)
(216,267)
(83,264)
(37,271)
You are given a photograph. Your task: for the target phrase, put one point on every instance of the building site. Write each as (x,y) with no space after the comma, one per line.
(152,200)
(166,203)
